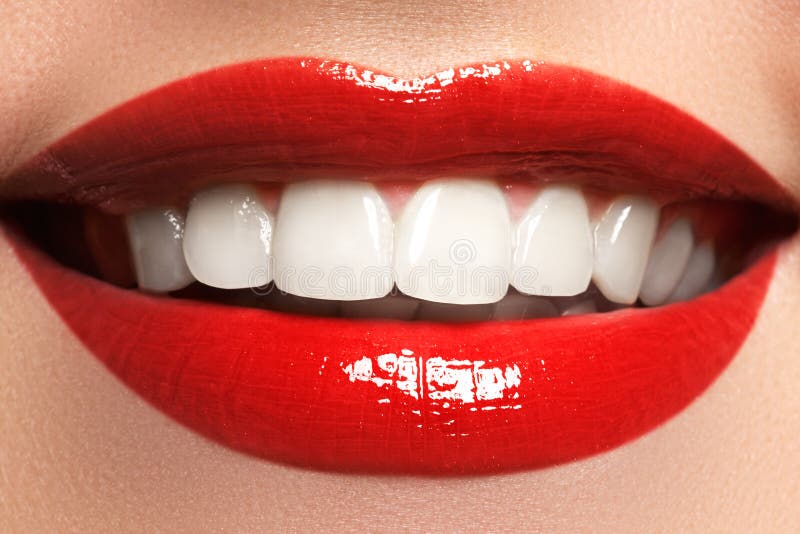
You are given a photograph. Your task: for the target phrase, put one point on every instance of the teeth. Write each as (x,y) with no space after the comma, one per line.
(333,240)
(156,242)
(697,275)
(447,313)
(510,307)
(667,262)
(623,238)
(453,243)
(580,308)
(302,305)
(554,252)
(337,252)
(228,238)
(516,306)
(398,307)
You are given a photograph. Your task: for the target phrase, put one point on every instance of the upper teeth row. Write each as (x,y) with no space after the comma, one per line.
(454,242)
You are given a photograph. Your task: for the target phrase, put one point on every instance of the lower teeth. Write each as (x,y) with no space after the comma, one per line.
(399,307)
(670,266)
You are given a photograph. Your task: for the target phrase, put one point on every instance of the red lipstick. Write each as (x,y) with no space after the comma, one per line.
(400,397)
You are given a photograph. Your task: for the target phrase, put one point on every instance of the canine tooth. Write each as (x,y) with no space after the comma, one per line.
(697,274)
(156,242)
(554,246)
(623,238)
(667,262)
(453,243)
(398,307)
(228,238)
(333,240)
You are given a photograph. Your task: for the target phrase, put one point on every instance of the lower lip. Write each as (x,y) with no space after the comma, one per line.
(386,397)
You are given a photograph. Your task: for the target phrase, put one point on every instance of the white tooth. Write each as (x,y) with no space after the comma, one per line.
(333,240)
(516,306)
(449,313)
(667,262)
(156,242)
(580,308)
(228,238)
(398,307)
(453,243)
(623,238)
(697,275)
(553,256)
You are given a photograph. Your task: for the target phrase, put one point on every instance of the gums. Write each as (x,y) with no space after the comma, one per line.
(393,397)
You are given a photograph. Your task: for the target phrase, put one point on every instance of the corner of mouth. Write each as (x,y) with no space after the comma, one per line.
(455,261)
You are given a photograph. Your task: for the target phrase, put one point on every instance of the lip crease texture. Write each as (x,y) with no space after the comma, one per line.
(280,119)
(393,397)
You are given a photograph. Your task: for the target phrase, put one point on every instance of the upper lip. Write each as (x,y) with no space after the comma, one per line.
(260,121)
(279,386)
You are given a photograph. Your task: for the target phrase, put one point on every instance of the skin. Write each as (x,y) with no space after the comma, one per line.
(80,452)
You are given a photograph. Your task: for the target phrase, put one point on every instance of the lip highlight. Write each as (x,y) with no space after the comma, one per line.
(394,397)
(280,119)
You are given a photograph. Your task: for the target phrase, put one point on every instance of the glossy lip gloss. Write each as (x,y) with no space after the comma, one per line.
(390,396)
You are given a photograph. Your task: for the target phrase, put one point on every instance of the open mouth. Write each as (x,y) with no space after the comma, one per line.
(496,267)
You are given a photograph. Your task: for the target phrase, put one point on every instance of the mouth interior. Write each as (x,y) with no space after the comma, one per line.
(448,249)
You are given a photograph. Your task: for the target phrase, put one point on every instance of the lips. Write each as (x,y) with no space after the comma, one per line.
(396,396)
